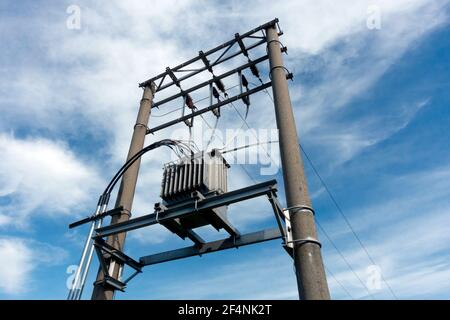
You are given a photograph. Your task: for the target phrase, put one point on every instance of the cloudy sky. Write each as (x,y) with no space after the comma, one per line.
(371,102)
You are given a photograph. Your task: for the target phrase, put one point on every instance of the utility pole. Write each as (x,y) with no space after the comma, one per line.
(311,278)
(126,192)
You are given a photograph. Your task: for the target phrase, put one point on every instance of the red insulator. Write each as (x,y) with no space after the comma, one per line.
(189,102)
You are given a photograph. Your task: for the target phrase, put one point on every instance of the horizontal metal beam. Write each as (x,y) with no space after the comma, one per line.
(209,82)
(211,51)
(210,108)
(243,240)
(111,212)
(182,232)
(225,199)
(193,73)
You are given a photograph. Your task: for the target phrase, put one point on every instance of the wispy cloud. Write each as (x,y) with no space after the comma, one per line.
(19,257)
(41,175)
(405,234)
(77,82)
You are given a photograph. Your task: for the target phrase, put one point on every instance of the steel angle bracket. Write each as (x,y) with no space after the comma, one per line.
(112,212)
(107,252)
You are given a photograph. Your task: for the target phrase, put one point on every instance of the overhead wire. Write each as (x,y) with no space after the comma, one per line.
(253,133)
(344,259)
(234,156)
(333,199)
(247,146)
(339,283)
(347,222)
(245,123)
(341,255)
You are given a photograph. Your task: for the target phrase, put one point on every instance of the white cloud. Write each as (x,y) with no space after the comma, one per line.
(44,177)
(15,265)
(404,231)
(19,258)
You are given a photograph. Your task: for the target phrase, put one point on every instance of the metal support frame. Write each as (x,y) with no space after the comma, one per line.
(95,217)
(214,246)
(225,46)
(107,253)
(157,104)
(260,189)
(110,252)
(210,108)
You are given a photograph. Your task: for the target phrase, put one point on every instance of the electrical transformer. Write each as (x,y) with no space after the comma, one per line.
(193,178)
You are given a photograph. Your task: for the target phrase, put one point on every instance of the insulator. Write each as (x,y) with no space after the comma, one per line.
(254,70)
(215,93)
(246,100)
(189,102)
(244,81)
(219,84)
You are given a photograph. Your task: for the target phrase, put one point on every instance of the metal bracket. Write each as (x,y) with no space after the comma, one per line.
(112,212)
(108,280)
(306,240)
(107,252)
(209,203)
(228,243)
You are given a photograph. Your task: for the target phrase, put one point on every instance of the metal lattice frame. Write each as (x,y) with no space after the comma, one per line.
(178,76)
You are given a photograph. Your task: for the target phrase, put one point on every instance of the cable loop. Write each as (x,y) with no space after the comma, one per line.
(288,73)
(277,41)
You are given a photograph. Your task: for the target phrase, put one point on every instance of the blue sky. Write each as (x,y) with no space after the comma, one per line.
(372,109)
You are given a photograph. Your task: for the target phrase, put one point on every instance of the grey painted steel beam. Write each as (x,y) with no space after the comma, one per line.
(96,217)
(228,243)
(193,73)
(209,82)
(210,108)
(225,199)
(211,51)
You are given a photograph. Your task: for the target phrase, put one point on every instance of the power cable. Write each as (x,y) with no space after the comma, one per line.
(253,133)
(345,218)
(234,156)
(343,258)
(339,283)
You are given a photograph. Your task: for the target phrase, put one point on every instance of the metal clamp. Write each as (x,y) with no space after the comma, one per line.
(306,240)
(301,208)
(123,211)
(141,125)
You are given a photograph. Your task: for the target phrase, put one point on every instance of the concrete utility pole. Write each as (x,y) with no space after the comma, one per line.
(311,278)
(126,192)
